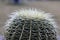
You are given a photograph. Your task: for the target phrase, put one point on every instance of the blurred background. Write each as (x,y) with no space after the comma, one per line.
(49,6)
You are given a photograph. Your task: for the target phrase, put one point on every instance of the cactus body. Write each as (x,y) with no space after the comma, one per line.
(30,28)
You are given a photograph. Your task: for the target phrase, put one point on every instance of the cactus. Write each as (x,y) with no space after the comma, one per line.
(30,24)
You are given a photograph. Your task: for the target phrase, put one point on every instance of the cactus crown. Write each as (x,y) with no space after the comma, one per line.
(31,14)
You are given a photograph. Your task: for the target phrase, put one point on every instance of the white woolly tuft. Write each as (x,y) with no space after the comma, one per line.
(30,14)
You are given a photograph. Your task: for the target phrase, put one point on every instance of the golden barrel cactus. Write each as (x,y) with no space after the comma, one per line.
(30,24)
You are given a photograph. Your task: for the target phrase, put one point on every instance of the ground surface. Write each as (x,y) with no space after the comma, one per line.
(51,7)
